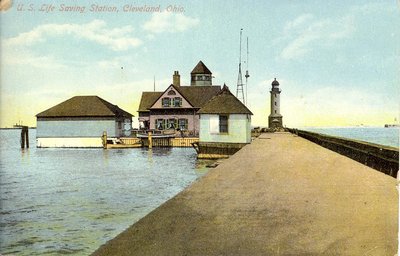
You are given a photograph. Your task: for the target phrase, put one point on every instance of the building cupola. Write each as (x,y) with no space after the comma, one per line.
(201,75)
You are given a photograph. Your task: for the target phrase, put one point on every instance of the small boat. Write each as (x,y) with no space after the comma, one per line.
(118,143)
(156,136)
(111,146)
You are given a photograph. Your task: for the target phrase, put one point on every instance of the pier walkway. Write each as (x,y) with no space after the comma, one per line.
(281,195)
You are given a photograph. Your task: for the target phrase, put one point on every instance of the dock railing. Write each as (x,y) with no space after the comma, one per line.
(379,157)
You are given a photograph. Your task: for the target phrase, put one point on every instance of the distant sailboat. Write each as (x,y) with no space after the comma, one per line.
(18,125)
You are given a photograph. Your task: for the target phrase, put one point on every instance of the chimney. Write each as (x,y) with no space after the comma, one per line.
(176,79)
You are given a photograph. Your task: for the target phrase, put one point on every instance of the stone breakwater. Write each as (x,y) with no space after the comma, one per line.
(382,158)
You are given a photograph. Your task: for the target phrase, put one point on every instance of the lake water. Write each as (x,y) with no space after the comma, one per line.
(71,201)
(378,135)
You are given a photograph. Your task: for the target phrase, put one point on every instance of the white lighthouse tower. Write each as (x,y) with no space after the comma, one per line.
(275,118)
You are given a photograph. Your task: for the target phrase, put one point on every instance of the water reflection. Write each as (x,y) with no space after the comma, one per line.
(74,200)
(105,157)
(150,156)
(25,155)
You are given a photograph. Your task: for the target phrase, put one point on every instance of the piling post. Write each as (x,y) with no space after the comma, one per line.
(22,138)
(150,140)
(104,139)
(27,137)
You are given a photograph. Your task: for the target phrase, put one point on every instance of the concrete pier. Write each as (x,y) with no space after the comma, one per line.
(281,195)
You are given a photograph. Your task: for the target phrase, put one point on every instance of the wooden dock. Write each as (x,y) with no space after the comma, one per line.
(156,142)
(171,142)
(281,195)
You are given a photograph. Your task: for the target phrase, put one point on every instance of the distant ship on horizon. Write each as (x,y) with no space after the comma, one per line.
(391,125)
(395,124)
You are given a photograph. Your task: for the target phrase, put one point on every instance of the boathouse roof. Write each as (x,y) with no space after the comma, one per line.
(85,106)
(224,103)
(201,68)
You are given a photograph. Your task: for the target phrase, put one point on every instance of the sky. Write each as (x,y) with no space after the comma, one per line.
(337,62)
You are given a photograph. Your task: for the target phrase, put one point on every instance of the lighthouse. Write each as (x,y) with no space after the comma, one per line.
(275,118)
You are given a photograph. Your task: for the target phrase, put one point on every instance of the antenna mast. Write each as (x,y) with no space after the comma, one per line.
(247,67)
(239,88)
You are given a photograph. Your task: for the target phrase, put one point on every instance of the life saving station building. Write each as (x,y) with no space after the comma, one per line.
(176,107)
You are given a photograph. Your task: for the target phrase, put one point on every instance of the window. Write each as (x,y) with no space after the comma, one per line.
(183,124)
(275,103)
(171,124)
(171,92)
(119,125)
(177,102)
(199,78)
(160,124)
(223,124)
(275,111)
(166,102)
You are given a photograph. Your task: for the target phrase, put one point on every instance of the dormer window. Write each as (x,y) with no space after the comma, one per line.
(177,102)
(171,92)
(166,102)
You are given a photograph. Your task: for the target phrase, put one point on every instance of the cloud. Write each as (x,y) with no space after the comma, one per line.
(117,39)
(169,22)
(305,33)
(298,22)
(30,60)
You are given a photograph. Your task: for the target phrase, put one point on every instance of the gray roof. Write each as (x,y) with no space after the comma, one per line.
(85,106)
(147,100)
(200,69)
(224,103)
(197,96)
